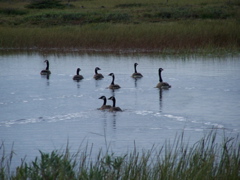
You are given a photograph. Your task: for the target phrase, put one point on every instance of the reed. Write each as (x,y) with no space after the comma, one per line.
(177,36)
(206,159)
(113,25)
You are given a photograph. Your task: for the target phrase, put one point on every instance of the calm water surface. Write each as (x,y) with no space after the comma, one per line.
(40,113)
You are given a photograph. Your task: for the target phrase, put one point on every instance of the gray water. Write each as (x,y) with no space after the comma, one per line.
(40,113)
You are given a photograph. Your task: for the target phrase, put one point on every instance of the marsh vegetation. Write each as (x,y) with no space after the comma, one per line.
(149,25)
(206,159)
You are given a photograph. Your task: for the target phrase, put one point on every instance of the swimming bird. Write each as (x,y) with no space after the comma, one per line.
(136,74)
(112,85)
(161,84)
(114,108)
(78,77)
(46,71)
(104,106)
(97,75)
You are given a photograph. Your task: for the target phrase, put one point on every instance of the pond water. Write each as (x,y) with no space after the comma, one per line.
(40,113)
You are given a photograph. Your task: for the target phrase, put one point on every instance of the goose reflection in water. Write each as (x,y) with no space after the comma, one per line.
(47,77)
(160,100)
(114,124)
(78,85)
(136,81)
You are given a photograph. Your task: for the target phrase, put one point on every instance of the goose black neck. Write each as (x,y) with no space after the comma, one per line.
(135,68)
(104,101)
(114,102)
(113,78)
(78,71)
(160,75)
(47,68)
(96,71)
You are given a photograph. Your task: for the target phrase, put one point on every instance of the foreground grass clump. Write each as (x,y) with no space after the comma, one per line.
(206,159)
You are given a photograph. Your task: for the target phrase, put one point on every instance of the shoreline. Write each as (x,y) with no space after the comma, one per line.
(212,51)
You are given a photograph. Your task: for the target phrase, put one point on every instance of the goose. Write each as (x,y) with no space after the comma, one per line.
(136,74)
(112,85)
(161,84)
(114,108)
(46,71)
(97,75)
(104,106)
(78,76)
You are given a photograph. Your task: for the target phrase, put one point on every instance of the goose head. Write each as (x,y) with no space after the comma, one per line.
(111,74)
(102,97)
(112,98)
(160,69)
(97,68)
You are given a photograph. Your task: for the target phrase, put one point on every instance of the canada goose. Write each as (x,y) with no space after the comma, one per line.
(114,108)
(97,75)
(112,85)
(78,76)
(136,74)
(46,71)
(104,106)
(161,84)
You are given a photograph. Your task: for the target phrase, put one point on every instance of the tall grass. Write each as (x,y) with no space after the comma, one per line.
(206,159)
(103,24)
(180,35)
(5,162)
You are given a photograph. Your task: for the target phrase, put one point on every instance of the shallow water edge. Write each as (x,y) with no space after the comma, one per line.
(184,52)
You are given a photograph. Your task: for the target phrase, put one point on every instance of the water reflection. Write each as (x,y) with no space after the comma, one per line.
(78,85)
(97,83)
(113,117)
(160,100)
(47,77)
(109,116)
(113,92)
(135,82)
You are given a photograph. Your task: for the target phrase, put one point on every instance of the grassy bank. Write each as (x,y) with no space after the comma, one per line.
(206,159)
(180,35)
(122,25)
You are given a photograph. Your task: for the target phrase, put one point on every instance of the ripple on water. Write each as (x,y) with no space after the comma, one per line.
(144,112)
(191,125)
(177,118)
(49,119)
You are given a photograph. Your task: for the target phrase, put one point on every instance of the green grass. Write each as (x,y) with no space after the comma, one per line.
(206,159)
(179,36)
(114,25)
